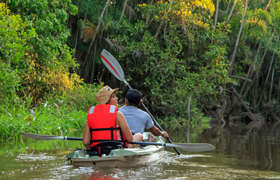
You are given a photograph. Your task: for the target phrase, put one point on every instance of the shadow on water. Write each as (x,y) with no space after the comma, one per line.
(236,157)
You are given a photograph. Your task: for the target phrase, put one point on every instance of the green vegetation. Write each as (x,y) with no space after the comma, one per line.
(63,115)
(222,54)
(38,92)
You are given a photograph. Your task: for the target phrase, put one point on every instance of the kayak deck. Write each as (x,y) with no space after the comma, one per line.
(126,157)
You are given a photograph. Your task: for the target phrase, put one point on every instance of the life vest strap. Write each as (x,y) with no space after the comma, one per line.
(105,129)
(111,129)
(105,148)
(106,140)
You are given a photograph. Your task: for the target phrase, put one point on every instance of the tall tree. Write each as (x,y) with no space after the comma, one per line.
(238,38)
(267,5)
(97,28)
(217,13)
(231,12)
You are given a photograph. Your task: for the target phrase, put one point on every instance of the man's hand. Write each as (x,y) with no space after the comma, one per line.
(158,132)
(164,134)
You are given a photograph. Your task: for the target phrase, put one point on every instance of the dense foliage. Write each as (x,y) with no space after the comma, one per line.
(222,54)
(221,57)
(39,93)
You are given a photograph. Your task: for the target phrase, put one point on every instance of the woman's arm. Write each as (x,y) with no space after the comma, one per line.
(124,126)
(86,137)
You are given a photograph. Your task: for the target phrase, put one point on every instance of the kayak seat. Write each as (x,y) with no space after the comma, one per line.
(104,148)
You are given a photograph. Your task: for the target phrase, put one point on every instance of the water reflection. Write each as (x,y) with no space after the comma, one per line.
(98,175)
(236,157)
(254,150)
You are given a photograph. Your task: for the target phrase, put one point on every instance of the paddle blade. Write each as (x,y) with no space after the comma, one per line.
(112,64)
(193,147)
(42,137)
(48,137)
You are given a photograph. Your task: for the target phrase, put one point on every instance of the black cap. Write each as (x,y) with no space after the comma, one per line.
(133,96)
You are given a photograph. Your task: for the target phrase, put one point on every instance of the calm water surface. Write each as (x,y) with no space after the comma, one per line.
(219,164)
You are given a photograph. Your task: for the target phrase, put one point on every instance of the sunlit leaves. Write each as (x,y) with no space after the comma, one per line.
(60,80)
(14,36)
(49,19)
(14,39)
(197,12)
(34,41)
(257,24)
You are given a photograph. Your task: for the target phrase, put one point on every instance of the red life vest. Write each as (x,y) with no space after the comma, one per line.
(102,122)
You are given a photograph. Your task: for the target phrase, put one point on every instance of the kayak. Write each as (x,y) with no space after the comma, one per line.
(125,157)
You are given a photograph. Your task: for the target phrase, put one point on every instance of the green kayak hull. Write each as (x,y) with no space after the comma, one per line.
(126,157)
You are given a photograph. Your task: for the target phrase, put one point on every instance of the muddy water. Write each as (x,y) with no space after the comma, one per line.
(236,157)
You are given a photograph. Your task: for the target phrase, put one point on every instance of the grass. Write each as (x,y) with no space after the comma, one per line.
(46,119)
(63,115)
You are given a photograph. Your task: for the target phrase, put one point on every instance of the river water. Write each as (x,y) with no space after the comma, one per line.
(235,157)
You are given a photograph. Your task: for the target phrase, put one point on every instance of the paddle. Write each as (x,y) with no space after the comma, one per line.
(190,147)
(115,68)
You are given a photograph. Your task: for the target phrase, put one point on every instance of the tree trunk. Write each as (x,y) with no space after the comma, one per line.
(238,38)
(162,21)
(267,5)
(93,66)
(123,10)
(87,67)
(231,12)
(271,85)
(76,40)
(258,83)
(228,6)
(217,13)
(250,70)
(189,119)
(97,28)
(273,55)
(242,102)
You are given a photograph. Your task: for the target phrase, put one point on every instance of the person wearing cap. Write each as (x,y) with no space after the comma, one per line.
(106,123)
(137,119)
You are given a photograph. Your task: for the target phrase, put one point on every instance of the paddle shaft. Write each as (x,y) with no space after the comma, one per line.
(73,138)
(132,142)
(191,147)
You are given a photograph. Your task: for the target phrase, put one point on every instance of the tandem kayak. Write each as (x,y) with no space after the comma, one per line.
(125,157)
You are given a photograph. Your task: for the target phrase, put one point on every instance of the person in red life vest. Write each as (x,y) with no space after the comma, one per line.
(106,127)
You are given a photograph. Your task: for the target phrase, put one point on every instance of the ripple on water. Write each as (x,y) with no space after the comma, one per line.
(162,165)
(68,172)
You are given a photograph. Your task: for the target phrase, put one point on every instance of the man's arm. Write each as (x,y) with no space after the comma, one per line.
(158,132)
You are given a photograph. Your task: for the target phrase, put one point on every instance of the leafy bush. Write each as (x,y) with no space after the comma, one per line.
(36,46)
(170,69)
(14,38)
